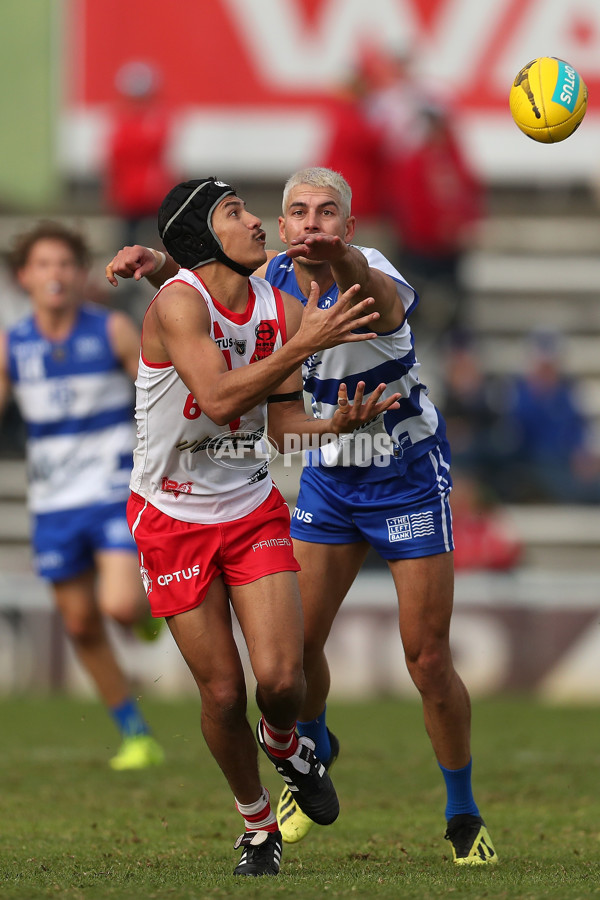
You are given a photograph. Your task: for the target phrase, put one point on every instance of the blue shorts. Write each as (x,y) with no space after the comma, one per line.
(65,542)
(402,515)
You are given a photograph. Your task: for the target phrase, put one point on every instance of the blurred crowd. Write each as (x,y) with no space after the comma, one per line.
(525,435)
(394,138)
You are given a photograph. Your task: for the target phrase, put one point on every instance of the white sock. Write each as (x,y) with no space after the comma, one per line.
(258,816)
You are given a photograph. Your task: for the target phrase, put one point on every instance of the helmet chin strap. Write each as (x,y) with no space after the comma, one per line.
(232,264)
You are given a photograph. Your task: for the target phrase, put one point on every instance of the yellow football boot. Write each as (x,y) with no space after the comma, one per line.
(139,751)
(470,840)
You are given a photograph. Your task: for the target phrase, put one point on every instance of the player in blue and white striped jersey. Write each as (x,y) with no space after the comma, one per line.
(70,366)
(385,486)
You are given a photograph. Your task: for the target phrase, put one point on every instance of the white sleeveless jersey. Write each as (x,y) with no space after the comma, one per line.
(185,464)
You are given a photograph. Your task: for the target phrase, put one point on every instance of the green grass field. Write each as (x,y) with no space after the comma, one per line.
(71,828)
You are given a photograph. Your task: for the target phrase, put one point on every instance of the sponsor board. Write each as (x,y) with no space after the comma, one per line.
(267,67)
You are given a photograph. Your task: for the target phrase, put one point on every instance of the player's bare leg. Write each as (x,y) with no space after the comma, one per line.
(84,625)
(205,638)
(76,601)
(270,615)
(121,594)
(327,573)
(425,588)
(119,586)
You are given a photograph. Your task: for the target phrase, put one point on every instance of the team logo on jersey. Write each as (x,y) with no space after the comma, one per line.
(88,347)
(146,580)
(326,302)
(266,333)
(401,444)
(30,360)
(226,343)
(170,486)
(310,366)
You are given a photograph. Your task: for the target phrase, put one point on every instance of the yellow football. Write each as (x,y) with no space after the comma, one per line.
(548,99)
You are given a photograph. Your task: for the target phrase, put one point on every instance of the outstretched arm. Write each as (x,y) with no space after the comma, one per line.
(288,417)
(124,338)
(141,262)
(157,266)
(177,330)
(349,266)
(289,421)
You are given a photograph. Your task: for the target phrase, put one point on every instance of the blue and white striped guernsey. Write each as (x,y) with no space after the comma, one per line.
(77,403)
(405,433)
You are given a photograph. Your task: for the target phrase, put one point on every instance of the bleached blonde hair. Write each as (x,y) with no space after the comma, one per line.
(318,177)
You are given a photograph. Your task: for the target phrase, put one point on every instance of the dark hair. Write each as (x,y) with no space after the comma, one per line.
(49,230)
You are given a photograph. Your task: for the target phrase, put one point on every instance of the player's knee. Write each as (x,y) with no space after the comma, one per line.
(83,628)
(223,701)
(313,649)
(125,609)
(223,710)
(282,686)
(430,669)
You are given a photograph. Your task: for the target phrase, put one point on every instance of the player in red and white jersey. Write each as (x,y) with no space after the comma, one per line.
(221,469)
(213,532)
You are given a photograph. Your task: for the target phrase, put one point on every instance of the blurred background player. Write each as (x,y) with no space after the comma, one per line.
(392,136)
(70,365)
(473,403)
(353,497)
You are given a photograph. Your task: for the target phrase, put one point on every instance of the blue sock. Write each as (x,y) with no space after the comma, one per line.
(129,719)
(459,793)
(316,730)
